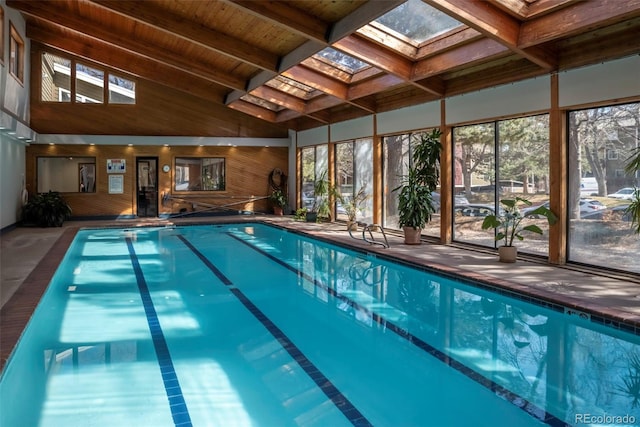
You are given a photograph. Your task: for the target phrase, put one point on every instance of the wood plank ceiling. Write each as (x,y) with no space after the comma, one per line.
(261,58)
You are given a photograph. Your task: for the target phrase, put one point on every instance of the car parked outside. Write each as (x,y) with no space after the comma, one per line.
(587,206)
(624,193)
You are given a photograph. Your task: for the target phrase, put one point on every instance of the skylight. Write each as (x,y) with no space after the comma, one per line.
(341,60)
(261,102)
(417,21)
(292,87)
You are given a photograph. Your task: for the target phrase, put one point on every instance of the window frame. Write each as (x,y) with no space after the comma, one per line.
(177,168)
(16,54)
(1,36)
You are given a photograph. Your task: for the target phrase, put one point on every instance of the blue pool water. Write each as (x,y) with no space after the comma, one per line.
(250,325)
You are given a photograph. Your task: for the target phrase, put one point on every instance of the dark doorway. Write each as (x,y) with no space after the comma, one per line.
(147,186)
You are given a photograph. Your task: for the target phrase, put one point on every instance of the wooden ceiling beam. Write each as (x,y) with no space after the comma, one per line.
(361,16)
(585,16)
(254,110)
(49,11)
(468,54)
(280,13)
(494,24)
(375,55)
(375,85)
(220,43)
(119,59)
(279,98)
(318,81)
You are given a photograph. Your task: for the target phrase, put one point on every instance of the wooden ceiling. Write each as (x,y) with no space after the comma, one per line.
(244,54)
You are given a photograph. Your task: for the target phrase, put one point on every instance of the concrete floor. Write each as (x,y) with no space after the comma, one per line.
(29,256)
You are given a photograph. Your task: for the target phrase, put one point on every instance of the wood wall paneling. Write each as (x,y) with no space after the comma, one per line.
(246,170)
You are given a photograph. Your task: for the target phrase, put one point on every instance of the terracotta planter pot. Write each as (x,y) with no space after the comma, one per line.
(508,253)
(412,235)
(277,210)
(352,226)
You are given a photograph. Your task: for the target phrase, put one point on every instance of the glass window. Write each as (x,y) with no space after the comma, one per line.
(396,162)
(520,149)
(121,90)
(600,231)
(66,174)
(89,84)
(474,182)
(1,35)
(199,174)
(341,60)
(56,78)
(315,162)
(354,178)
(417,21)
(16,55)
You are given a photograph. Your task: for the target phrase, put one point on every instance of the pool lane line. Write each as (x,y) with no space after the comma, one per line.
(498,389)
(177,404)
(331,391)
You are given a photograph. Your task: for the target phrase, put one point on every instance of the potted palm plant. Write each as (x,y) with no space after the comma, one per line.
(415,199)
(278,200)
(353,206)
(323,190)
(509,225)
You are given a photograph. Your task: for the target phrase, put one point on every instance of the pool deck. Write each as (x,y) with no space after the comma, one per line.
(30,256)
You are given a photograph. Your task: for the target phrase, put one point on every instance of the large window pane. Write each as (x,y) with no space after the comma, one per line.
(354,173)
(121,90)
(600,142)
(199,174)
(66,174)
(397,159)
(56,78)
(315,162)
(89,84)
(523,160)
(475,182)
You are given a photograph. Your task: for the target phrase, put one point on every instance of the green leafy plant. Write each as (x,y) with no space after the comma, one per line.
(46,210)
(509,223)
(632,168)
(352,206)
(323,190)
(301,214)
(278,198)
(415,199)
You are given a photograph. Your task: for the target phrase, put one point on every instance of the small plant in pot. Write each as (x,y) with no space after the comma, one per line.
(278,200)
(46,210)
(509,225)
(415,199)
(322,191)
(353,207)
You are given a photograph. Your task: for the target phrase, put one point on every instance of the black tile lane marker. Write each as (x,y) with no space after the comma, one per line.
(339,400)
(496,388)
(178,406)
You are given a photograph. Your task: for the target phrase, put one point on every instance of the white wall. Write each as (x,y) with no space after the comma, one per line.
(12,172)
(14,113)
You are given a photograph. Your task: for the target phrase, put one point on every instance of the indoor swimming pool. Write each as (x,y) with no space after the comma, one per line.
(253,325)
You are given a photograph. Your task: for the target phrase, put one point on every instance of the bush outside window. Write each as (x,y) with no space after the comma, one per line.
(199,174)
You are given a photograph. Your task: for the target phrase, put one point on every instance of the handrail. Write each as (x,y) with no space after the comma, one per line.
(372,241)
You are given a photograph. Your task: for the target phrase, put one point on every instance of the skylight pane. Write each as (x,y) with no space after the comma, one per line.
(418,21)
(340,60)
(261,102)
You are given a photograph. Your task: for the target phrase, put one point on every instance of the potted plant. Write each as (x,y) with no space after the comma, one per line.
(353,206)
(322,191)
(46,210)
(278,200)
(415,199)
(633,210)
(509,224)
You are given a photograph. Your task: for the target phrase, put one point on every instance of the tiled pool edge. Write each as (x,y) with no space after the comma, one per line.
(599,314)
(17,311)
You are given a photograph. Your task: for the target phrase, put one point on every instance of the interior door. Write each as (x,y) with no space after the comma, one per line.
(147,186)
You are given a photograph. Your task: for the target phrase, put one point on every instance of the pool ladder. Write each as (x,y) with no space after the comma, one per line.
(369,228)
